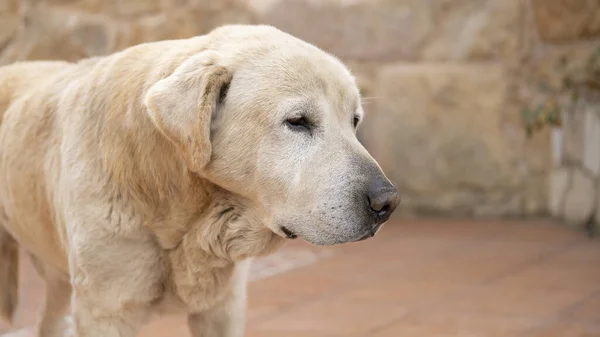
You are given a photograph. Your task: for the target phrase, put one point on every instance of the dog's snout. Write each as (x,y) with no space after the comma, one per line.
(383,199)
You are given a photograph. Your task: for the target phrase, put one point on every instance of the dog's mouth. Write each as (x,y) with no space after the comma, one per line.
(368,235)
(371,233)
(288,233)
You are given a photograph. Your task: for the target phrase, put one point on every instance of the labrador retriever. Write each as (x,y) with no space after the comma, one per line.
(143,182)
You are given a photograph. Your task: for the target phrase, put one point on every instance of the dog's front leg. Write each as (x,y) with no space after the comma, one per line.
(228,319)
(115,282)
(90,321)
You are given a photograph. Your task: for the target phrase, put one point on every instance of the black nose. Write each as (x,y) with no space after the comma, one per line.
(383,199)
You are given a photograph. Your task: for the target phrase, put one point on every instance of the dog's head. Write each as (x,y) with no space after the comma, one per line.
(272,118)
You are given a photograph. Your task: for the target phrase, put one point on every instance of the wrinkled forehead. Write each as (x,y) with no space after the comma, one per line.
(315,78)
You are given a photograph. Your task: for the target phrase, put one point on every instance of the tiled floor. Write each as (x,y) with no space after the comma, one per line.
(422,278)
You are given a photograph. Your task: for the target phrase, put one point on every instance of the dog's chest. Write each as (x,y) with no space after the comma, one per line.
(196,286)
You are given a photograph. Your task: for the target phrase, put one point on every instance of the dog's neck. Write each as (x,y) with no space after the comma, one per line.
(203,257)
(224,234)
(201,218)
(223,225)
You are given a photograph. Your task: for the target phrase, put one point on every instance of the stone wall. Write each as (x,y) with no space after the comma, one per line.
(575,179)
(568,35)
(443,80)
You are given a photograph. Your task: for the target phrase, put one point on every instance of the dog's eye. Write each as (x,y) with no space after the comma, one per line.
(298,123)
(355,121)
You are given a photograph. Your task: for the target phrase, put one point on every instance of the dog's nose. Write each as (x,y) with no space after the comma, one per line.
(383,199)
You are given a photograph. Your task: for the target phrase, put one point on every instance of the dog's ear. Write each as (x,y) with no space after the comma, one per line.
(182,104)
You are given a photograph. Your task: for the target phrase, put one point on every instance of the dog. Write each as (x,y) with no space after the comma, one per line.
(145,181)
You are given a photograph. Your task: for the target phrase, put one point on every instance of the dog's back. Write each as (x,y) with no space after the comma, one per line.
(20,77)
(14,81)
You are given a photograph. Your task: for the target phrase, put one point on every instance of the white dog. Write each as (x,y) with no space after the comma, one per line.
(144,181)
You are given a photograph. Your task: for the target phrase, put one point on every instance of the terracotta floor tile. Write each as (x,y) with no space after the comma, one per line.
(452,324)
(448,229)
(295,285)
(542,231)
(260,311)
(566,330)
(587,311)
(284,261)
(32,291)
(373,263)
(479,263)
(272,295)
(408,294)
(513,299)
(554,275)
(25,332)
(583,252)
(285,333)
(343,315)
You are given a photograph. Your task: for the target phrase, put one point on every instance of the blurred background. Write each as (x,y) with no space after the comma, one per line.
(484,113)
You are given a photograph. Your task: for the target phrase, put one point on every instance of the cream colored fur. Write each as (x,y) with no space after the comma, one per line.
(146,180)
